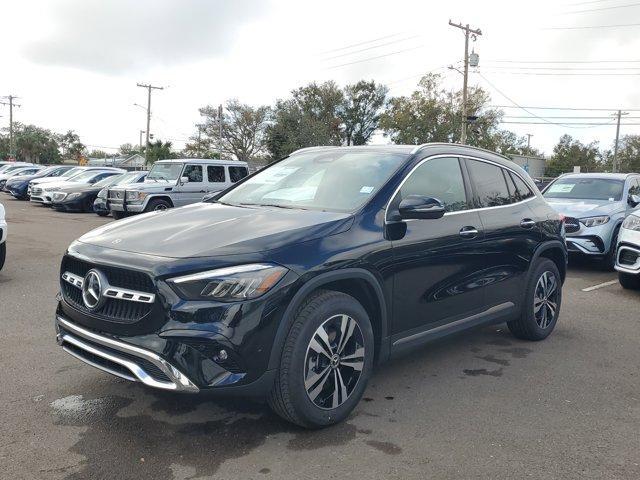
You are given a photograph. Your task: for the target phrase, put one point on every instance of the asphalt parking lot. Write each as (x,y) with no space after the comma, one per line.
(479,405)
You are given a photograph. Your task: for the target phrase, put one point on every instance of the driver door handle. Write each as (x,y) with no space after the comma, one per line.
(468,232)
(527,223)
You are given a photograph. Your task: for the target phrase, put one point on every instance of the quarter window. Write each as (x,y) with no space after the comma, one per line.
(237,173)
(215,173)
(522,191)
(193,172)
(440,178)
(489,184)
(634,188)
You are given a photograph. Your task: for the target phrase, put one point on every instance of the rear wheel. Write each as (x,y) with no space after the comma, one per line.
(88,205)
(629,281)
(101,213)
(157,204)
(3,253)
(118,215)
(541,307)
(326,361)
(609,260)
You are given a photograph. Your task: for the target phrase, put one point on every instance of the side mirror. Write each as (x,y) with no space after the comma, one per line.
(184,180)
(421,207)
(633,200)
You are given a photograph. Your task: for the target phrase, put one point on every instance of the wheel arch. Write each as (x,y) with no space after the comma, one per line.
(356,282)
(158,197)
(555,251)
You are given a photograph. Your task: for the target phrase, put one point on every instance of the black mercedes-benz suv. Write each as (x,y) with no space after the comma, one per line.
(296,281)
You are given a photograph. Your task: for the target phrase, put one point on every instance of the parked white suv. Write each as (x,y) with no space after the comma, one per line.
(3,237)
(175,183)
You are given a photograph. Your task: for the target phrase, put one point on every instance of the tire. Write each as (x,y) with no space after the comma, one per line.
(87,207)
(609,260)
(629,281)
(3,253)
(157,204)
(118,215)
(302,392)
(538,325)
(101,213)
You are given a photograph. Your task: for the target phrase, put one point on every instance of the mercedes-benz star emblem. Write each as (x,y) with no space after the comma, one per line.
(92,290)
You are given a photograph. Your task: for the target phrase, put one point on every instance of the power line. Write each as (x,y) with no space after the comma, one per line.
(563,68)
(360,43)
(561,61)
(602,8)
(586,27)
(583,74)
(562,117)
(564,124)
(587,3)
(375,58)
(563,108)
(370,48)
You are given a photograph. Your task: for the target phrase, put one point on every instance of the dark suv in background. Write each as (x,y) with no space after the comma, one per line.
(293,283)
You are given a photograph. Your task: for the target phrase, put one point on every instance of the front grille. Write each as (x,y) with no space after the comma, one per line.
(113,309)
(115,195)
(628,257)
(36,191)
(571,225)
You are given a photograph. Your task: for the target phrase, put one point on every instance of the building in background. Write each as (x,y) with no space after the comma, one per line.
(130,162)
(534,166)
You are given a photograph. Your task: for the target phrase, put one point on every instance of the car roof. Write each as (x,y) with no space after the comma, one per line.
(212,161)
(610,176)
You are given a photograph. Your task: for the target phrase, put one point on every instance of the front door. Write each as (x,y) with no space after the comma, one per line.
(438,263)
(191,191)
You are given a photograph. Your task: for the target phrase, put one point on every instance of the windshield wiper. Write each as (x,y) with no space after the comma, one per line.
(273,205)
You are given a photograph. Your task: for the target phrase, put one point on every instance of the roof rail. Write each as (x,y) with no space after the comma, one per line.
(307,149)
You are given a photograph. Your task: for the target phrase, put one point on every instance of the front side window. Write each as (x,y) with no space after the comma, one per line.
(237,173)
(332,180)
(586,188)
(489,184)
(193,173)
(522,191)
(215,173)
(439,178)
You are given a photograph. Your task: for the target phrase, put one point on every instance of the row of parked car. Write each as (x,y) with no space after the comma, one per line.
(105,190)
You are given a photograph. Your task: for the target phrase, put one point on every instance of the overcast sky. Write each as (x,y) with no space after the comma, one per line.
(75,63)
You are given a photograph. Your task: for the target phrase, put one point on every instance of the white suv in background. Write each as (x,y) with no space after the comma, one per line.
(3,237)
(628,251)
(175,183)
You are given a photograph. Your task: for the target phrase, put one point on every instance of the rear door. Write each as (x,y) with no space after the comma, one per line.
(437,262)
(217,177)
(511,232)
(193,190)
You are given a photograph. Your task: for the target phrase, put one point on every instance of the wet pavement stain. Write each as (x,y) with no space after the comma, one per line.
(367,399)
(492,359)
(517,352)
(500,342)
(483,371)
(389,398)
(385,447)
(339,434)
(265,470)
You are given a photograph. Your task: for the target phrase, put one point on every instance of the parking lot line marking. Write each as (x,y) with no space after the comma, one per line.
(600,285)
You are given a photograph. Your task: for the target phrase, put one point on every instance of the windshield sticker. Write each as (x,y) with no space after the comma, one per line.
(561,187)
(273,175)
(366,190)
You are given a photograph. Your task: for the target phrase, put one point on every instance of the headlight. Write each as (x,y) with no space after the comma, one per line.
(135,196)
(631,223)
(73,196)
(594,221)
(58,196)
(242,282)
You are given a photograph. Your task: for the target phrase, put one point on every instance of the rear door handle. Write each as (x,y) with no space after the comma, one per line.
(468,232)
(527,223)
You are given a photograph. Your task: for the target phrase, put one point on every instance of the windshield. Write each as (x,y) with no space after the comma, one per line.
(84,177)
(128,178)
(329,180)
(165,171)
(105,182)
(12,168)
(72,172)
(586,189)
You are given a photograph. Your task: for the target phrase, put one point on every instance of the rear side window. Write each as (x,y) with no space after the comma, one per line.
(237,173)
(440,178)
(215,174)
(489,184)
(193,172)
(522,191)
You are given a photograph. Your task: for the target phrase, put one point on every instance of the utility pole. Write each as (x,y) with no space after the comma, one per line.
(11,98)
(467,31)
(140,143)
(615,145)
(529,135)
(220,138)
(149,87)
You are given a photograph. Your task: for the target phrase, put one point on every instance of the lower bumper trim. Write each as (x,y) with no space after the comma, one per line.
(87,346)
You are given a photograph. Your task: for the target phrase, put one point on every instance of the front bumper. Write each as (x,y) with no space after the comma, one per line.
(68,206)
(126,207)
(100,205)
(628,255)
(17,192)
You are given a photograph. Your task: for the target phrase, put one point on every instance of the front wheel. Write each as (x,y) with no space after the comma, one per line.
(629,281)
(118,215)
(101,213)
(157,205)
(3,253)
(541,305)
(326,361)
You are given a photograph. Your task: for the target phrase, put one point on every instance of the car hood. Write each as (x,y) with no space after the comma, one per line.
(584,208)
(210,229)
(22,178)
(145,186)
(38,181)
(79,187)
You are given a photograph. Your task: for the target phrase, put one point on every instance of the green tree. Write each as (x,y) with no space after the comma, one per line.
(363,103)
(570,152)
(127,149)
(70,145)
(433,114)
(160,150)
(97,154)
(35,144)
(310,117)
(243,131)
(628,159)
